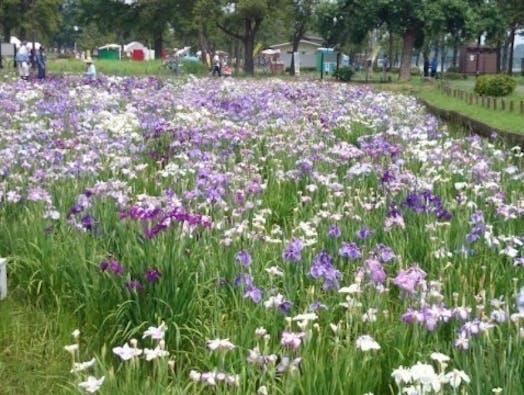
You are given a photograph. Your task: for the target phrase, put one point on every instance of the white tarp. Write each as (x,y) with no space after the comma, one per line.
(8,49)
(134,45)
(110,46)
(270,52)
(14,40)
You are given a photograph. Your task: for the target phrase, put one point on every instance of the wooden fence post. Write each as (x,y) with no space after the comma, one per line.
(494,103)
(522,106)
(489,102)
(503,104)
(511,107)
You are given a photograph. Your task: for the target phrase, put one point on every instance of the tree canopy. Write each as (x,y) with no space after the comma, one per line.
(243,26)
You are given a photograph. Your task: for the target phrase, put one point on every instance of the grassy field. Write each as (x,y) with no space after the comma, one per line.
(430,92)
(469,83)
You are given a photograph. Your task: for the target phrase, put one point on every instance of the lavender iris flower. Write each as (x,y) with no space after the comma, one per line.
(292,253)
(242,257)
(349,250)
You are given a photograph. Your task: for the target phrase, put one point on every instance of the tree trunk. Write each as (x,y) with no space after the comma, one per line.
(251,28)
(237,55)
(408,39)
(204,44)
(505,53)
(455,55)
(158,42)
(249,46)
(499,49)
(511,47)
(443,54)
(390,49)
(296,42)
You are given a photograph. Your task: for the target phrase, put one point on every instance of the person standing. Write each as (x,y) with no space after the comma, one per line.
(434,65)
(22,61)
(91,70)
(216,65)
(41,62)
(176,61)
(32,61)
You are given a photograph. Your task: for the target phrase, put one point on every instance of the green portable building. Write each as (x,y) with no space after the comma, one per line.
(109,51)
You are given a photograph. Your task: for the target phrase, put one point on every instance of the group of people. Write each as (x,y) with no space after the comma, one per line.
(29,59)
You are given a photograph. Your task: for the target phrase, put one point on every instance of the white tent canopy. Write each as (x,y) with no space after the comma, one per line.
(270,52)
(110,46)
(134,45)
(14,40)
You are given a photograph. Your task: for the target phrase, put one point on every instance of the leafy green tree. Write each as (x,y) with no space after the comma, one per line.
(9,17)
(242,19)
(30,19)
(300,14)
(412,20)
(512,13)
(108,16)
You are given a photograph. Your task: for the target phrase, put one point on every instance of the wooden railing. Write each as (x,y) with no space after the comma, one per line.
(492,103)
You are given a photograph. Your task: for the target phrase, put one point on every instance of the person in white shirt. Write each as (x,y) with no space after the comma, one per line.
(216,65)
(22,61)
(91,69)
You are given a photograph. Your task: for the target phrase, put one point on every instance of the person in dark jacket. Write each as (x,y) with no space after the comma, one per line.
(434,65)
(41,62)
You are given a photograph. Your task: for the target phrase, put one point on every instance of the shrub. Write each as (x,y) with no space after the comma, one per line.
(495,85)
(344,73)
(415,71)
(451,75)
(194,67)
(453,69)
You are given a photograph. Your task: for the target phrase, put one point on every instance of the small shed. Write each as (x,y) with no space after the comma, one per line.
(475,58)
(109,51)
(326,60)
(307,52)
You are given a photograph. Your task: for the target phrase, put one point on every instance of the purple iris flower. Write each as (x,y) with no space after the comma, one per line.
(334,231)
(317,305)
(410,316)
(364,233)
(243,279)
(134,285)
(116,267)
(75,209)
(385,254)
(386,177)
(292,253)
(409,279)
(88,222)
(112,265)
(152,275)
(323,268)
(242,257)
(349,250)
(254,293)
(376,271)
(285,306)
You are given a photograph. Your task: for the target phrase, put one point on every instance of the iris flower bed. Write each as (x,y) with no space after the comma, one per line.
(263,237)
